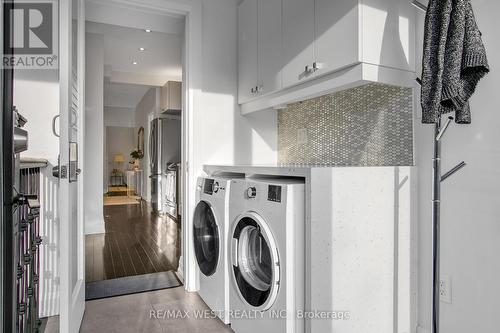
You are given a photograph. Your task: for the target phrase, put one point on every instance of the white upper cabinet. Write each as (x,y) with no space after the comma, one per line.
(269,44)
(247,50)
(260,51)
(291,50)
(298,40)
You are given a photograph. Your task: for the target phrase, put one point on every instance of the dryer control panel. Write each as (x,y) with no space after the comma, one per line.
(212,186)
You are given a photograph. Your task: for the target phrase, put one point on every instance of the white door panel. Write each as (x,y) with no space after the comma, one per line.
(71,68)
(337,32)
(270,49)
(298,40)
(247,50)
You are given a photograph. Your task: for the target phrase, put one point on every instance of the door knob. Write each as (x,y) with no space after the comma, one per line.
(56,171)
(60,171)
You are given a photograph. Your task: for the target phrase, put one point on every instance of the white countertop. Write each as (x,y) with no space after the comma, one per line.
(278,170)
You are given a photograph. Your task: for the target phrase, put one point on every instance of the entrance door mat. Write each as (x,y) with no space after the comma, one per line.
(131,285)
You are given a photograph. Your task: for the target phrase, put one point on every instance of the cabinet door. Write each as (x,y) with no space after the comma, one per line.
(337,34)
(298,40)
(171,96)
(247,49)
(270,50)
(175,95)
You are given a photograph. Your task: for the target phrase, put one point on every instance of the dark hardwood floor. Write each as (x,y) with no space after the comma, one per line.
(136,241)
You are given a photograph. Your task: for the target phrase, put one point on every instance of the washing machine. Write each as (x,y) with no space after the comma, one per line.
(210,232)
(267,253)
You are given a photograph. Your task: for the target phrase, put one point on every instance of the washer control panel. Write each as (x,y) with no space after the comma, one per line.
(208,186)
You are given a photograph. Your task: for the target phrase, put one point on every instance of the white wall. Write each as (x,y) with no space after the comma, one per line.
(119,140)
(94,134)
(470,229)
(36,95)
(121,118)
(148,106)
(117,116)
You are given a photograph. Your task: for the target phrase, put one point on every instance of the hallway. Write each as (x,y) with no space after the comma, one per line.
(136,241)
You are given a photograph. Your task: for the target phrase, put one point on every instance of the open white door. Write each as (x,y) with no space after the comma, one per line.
(71,80)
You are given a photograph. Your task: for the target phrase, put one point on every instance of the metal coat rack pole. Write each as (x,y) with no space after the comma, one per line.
(439,131)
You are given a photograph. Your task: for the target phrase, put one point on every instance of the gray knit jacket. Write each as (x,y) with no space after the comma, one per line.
(454,60)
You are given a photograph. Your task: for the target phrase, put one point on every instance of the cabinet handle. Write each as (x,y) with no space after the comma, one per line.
(317,66)
(256,90)
(307,71)
(54,120)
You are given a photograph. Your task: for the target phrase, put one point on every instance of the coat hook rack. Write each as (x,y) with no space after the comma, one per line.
(439,131)
(444,128)
(419,5)
(453,170)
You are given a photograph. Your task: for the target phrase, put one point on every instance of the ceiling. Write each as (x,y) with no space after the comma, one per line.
(123,95)
(159,63)
(125,82)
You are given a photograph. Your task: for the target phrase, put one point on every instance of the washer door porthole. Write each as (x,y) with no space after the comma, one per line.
(206,238)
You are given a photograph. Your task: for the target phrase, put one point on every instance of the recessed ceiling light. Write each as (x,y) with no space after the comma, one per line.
(147,30)
(134,62)
(142,49)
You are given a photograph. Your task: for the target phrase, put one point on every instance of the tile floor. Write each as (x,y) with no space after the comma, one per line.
(149,312)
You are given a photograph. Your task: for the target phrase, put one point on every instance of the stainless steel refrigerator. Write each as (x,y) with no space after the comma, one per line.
(164,149)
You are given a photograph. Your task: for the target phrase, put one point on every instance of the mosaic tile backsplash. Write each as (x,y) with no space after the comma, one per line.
(370,125)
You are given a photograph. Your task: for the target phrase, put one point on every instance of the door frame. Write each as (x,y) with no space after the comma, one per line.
(191,91)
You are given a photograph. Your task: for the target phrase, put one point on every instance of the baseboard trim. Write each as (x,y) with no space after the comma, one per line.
(94,228)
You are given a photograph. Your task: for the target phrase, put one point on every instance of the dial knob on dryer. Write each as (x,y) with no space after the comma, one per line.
(251,192)
(216,187)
